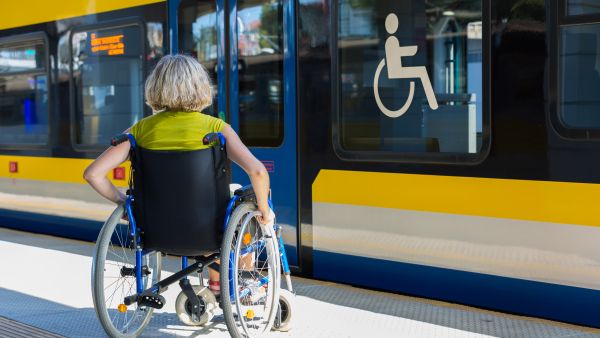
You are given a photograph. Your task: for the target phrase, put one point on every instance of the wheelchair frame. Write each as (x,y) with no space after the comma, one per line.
(201,262)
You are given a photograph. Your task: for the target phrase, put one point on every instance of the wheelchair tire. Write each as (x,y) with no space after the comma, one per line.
(248,316)
(184,311)
(286,305)
(111,255)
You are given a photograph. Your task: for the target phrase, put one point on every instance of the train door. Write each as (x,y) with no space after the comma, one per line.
(262,100)
(248,46)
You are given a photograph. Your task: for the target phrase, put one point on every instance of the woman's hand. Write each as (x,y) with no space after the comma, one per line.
(122,198)
(265,211)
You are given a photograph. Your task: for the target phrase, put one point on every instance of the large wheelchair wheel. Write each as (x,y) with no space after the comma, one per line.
(113,279)
(250,274)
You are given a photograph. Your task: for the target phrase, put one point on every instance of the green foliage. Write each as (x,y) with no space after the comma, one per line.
(271,27)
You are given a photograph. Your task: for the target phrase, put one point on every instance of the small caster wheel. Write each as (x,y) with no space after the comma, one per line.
(284,319)
(183,307)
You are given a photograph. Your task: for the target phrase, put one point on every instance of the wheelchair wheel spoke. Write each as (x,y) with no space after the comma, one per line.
(116,313)
(119,257)
(125,321)
(110,299)
(111,284)
(120,243)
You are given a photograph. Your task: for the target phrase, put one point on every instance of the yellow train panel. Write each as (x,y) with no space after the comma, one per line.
(22,13)
(53,169)
(543,201)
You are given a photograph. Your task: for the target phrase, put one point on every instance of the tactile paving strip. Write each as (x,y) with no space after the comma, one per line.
(13,329)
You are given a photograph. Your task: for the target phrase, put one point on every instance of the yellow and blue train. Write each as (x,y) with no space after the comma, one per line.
(486,196)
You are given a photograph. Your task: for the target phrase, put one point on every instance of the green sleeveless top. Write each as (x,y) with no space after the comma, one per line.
(175,130)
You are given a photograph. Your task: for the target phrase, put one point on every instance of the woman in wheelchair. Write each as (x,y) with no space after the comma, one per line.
(179,203)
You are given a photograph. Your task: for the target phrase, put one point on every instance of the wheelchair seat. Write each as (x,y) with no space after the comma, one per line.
(180,199)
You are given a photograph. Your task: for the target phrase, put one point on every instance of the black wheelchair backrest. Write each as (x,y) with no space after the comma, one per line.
(180,199)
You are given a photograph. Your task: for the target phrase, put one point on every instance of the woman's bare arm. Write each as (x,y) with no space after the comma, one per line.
(239,153)
(95,173)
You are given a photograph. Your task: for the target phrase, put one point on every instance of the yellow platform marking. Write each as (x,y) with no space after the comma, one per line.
(53,169)
(23,13)
(557,202)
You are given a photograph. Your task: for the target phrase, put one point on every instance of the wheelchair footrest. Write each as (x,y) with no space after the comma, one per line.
(151,299)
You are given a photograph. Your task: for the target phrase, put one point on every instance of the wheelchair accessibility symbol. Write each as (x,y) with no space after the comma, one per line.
(393,58)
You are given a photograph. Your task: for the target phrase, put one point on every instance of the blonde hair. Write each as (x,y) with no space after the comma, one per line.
(178,83)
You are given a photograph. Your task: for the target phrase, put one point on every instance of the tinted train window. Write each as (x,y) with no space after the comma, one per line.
(410,78)
(107,72)
(198,37)
(579,7)
(580,76)
(23,92)
(24,56)
(260,71)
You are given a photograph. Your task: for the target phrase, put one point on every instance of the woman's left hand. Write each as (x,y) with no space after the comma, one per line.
(270,215)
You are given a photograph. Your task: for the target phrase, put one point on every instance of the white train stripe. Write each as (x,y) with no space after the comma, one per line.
(57,206)
(548,252)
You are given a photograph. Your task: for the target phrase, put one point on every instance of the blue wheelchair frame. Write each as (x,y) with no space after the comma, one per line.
(186,268)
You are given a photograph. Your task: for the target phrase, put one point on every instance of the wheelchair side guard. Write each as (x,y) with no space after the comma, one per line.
(243,194)
(245,191)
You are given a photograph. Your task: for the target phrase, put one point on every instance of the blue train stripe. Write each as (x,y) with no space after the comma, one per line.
(518,296)
(61,226)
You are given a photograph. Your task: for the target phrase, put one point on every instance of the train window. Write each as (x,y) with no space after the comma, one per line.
(107,66)
(23,91)
(23,56)
(580,76)
(410,81)
(260,72)
(198,37)
(583,7)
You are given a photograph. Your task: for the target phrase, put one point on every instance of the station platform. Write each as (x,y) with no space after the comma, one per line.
(45,292)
